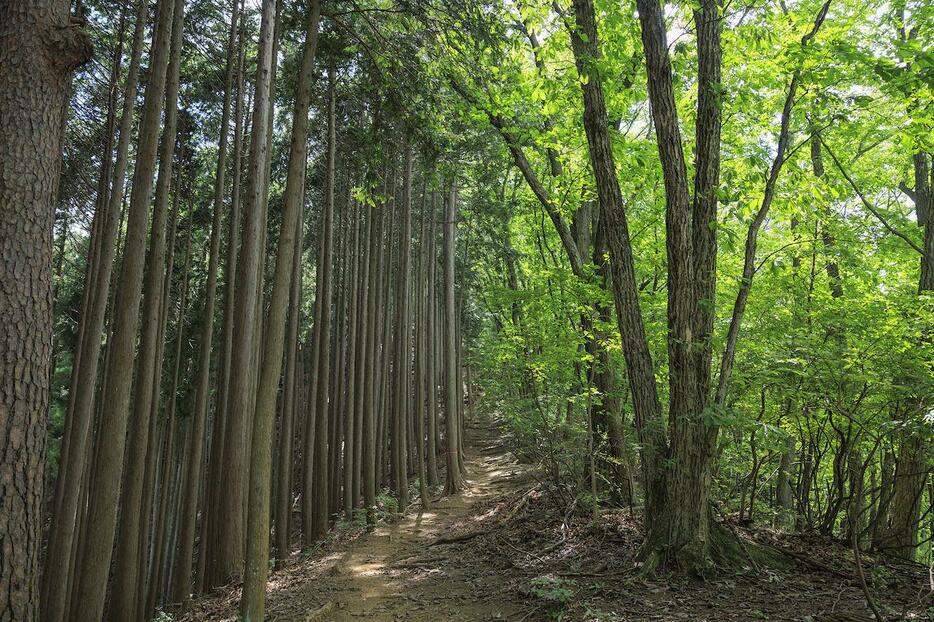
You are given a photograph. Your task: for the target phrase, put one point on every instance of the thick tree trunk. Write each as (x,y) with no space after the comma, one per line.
(39,48)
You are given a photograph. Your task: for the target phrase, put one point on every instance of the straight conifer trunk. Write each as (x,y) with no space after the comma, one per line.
(252,604)
(230,517)
(130,562)
(319,506)
(191,480)
(454,482)
(105,492)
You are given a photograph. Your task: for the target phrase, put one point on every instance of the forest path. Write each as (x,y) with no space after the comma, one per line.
(400,571)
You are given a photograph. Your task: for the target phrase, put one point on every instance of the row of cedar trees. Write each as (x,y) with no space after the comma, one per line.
(156,510)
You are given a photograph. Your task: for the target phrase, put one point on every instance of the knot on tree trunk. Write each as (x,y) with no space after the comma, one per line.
(68,47)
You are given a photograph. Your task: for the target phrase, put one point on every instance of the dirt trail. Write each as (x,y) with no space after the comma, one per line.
(398,571)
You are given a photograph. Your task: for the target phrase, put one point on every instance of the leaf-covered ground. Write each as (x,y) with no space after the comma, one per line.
(502,551)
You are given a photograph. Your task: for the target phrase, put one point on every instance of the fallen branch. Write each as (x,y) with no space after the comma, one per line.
(470,535)
(518,507)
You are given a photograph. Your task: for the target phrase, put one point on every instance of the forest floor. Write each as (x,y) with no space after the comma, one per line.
(504,550)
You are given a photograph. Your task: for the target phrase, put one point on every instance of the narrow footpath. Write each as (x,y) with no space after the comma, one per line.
(409,569)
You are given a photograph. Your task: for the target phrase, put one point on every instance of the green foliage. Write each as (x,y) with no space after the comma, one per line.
(555,590)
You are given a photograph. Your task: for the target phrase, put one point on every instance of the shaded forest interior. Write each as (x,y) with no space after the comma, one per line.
(580,310)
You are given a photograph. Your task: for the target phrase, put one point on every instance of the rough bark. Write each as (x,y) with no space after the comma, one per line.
(39,48)
(210,522)
(252,604)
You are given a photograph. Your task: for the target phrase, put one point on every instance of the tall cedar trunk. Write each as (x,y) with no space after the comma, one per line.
(91,283)
(92,266)
(252,603)
(374,270)
(454,481)
(167,481)
(213,473)
(350,398)
(157,427)
(421,352)
(319,499)
(361,365)
(339,347)
(401,365)
(39,48)
(263,192)
(230,516)
(191,480)
(431,359)
(283,496)
(104,497)
(128,563)
(308,440)
(75,458)
(386,308)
